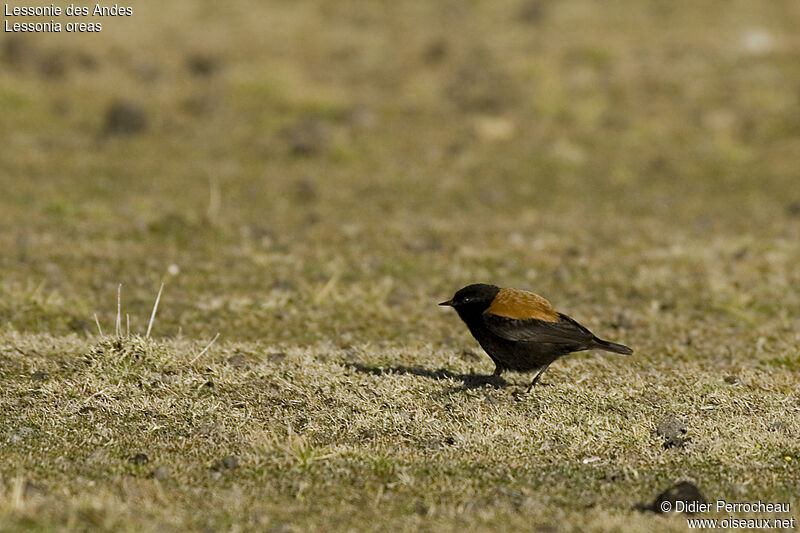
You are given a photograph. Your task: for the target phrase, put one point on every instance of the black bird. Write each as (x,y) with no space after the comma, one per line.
(520,330)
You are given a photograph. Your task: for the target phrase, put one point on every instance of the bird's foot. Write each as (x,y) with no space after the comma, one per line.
(536,379)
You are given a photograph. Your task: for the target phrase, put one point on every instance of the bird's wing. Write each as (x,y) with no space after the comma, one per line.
(563,331)
(514,303)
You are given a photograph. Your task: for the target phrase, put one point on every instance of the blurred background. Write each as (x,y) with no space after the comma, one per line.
(302,171)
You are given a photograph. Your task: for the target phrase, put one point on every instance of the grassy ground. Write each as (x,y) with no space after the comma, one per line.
(310,178)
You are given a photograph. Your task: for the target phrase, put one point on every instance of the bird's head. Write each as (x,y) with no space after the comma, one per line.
(474,298)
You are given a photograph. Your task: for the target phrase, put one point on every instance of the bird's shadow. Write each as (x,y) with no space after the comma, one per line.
(470,381)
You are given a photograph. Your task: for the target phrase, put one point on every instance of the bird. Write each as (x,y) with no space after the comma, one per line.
(520,330)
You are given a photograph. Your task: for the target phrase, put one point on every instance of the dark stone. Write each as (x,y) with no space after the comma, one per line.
(532,11)
(125,118)
(436,51)
(17,51)
(140,459)
(79,325)
(53,65)
(202,65)
(32,489)
(420,508)
(683,491)
(228,462)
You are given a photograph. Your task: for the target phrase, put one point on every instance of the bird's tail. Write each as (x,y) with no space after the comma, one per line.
(609,346)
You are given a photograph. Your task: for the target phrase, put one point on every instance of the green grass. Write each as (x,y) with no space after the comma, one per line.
(340,169)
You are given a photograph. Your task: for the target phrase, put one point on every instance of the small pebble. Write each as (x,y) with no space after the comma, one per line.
(673,431)
(239,361)
(780,425)
(161,473)
(202,65)
(125,118)
(228,462)
(308,136)
(276,357)
(140,459)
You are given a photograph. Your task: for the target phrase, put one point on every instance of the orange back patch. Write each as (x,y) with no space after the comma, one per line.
(514,303)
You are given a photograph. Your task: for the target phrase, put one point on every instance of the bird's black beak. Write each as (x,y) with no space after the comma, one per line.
(448,302)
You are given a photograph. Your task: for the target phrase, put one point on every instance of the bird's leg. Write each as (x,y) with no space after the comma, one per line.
(497,370)
(538,375)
